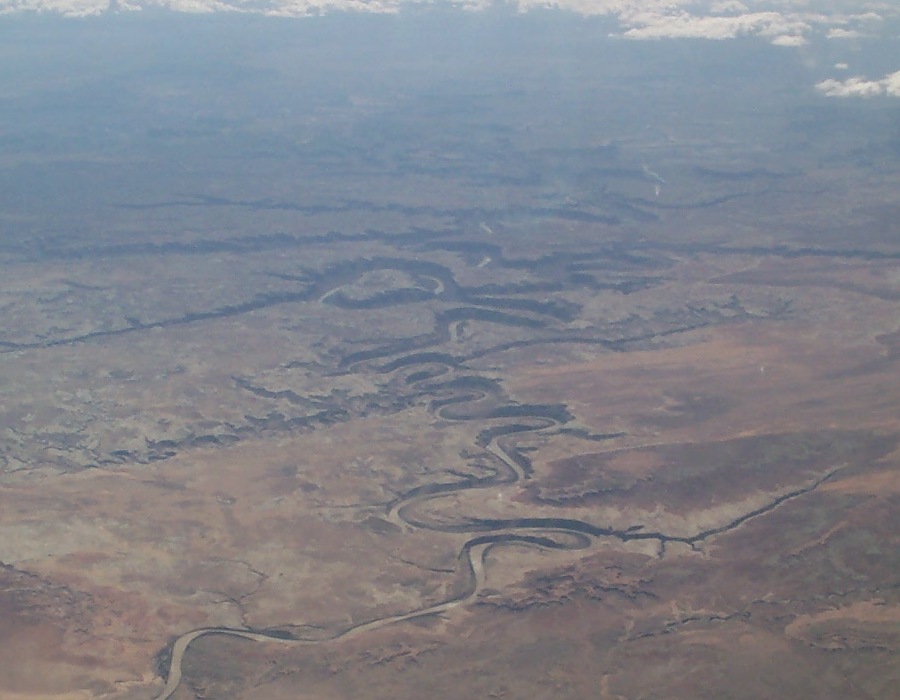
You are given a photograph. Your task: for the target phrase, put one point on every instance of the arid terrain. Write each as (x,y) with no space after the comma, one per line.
(427,421)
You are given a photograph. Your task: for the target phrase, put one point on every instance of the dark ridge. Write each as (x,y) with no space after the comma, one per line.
(629,210)
(421,358)
(394,297)
(740,175)
(562,340)
(162,660)
(574,215)
(275,633)
(514,288)
(268,204)
(488,435)
(469,381)
(479,248)
(630,286)
(521,461)
(561,310)
(704,204)
(423,375)
(438,404)
(782,251)
(262,301)
(595,437)
(441,332)
(617,174)
(43,249)
(287,394)
(474,313)
(549,543)
(555,412)
(566,524)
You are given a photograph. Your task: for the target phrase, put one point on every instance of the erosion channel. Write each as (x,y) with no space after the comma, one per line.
(457,393)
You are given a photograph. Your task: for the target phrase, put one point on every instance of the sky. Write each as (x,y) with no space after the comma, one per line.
(792,24)
(785,22)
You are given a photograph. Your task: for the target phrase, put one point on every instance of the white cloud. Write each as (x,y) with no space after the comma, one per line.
(892,84)
(858,86)
(72,8)
(783,22)
(841,33)
(841,66)
(789,40)
(783,30)
(725,6)
(870,16)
